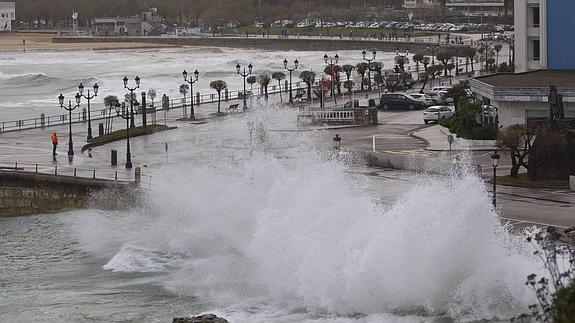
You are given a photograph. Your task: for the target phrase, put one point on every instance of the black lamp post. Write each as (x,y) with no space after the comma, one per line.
(331,62)
(295,64)
(432,50)
(404,58)
(337,141)
(127,115)
(369,60)
(243,73)
(70,108)
(88,97)
(191,81)
(137,80)
(495,161)
(348,75)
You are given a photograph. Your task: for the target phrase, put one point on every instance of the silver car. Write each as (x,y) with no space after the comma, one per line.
(437,112)
(423,98)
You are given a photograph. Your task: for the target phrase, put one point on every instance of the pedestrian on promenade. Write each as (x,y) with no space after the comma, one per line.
(54,138)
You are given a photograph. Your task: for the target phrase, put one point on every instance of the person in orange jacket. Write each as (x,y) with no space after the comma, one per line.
(54,139)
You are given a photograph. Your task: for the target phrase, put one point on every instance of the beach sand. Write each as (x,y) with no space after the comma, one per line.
(43,41)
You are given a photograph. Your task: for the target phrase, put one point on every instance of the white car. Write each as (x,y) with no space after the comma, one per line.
(437,112)
(422,97)
(438,89)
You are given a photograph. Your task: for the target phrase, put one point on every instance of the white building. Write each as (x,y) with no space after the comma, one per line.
(7,15)
(477,8)
(414,4)
(530,35)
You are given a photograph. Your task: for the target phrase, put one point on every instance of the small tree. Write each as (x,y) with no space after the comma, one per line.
(184,91)
(425,62)
(348,69)
(519,140)
(152,95)
(361,69)
(218,85)
(444,55)
(279,76)
(417,58)
(459,93)
(251,81)
(264,81)
(307,77)
(401,60)
(469,52)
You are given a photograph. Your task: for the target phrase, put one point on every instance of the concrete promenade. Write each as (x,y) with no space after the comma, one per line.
(400,133)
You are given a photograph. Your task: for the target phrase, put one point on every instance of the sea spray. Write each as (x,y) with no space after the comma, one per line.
(288,225)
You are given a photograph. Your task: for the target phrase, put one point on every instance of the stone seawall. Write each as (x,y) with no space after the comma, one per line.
(29,193)
(303,44)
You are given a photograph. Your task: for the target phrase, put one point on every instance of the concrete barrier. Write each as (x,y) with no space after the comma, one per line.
(572,183)
(29,193)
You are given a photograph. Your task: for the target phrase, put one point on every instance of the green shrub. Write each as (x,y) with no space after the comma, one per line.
(464,124)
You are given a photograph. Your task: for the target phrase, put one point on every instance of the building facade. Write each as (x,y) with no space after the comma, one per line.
(544,36)
(416,4)
(7,15)
(489,8)
(544,43)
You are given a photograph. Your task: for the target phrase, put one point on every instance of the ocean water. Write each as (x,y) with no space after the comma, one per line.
(30,82)
(276,228)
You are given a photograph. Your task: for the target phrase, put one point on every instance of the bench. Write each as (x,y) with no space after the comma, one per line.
(233,108)
(298,97)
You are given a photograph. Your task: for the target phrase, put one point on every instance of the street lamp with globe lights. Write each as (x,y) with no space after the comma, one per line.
(70,108)
(88,97)
(127,115)
(432,50)
(369,60)
(331,62)
(243,73)
(191,81)
(295,64)
(137,80)
(495,162)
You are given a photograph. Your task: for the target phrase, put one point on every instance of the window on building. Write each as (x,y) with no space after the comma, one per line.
(535,16)
(536,49)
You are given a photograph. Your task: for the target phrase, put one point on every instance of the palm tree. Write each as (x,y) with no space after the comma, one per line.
(218,85)
(307,77)
(111,101)
(279,76)
(251,81)
(361,68)
(497,48)
(417,58)
(184,91)
(264,81)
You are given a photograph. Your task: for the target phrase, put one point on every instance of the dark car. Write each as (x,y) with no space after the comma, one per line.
(359,103)
(399,101)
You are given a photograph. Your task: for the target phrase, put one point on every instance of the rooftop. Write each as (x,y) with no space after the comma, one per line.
(536,79)
(7,5)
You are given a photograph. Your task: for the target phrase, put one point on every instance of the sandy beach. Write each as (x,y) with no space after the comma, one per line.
(43,41)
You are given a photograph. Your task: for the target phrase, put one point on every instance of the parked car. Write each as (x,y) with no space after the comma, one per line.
(438,89)
(399,101)
(437,112)
(426,99)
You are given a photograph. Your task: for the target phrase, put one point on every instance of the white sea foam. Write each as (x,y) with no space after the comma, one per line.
(292,228)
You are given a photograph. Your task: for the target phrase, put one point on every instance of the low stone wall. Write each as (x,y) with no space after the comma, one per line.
(305,44)
(29,193)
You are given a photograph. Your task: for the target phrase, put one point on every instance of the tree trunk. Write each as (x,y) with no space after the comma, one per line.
(308,91)
(362,76)
(280,90)
(219,98)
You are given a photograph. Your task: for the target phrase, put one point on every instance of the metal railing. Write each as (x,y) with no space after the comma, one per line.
(87,173)
(226,95)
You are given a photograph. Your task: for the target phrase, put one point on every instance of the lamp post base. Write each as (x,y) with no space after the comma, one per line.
(128,165)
